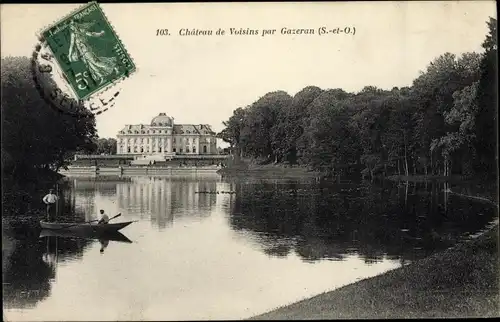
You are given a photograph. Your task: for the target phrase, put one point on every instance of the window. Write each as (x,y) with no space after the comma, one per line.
(159,150)
(188,132)
(204,149)
(160,124)
(135,149)
(128,149)
(154,124)
(174,140)
(153,131)
(194,149)
(173,150)
(180,150)
(187,149)
(142,149)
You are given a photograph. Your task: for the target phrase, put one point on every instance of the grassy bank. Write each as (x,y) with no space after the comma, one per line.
(459,282)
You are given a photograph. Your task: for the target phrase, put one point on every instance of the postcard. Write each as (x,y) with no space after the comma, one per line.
(271,160)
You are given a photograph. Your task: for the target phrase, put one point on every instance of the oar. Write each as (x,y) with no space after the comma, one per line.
(94,228)
(87,222)
(108,219)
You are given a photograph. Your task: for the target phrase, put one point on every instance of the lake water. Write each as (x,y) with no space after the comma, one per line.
(203,247)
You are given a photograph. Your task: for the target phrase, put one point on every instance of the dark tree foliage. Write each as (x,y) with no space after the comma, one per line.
(34,135)
(105,146)
(445,123)
(486,127)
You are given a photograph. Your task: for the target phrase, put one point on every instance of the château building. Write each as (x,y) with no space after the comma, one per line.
(162,139)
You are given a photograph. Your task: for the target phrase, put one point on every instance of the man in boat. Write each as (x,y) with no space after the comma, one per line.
(50,200)
(104,218)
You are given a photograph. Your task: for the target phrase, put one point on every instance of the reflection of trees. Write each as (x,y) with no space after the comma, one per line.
(30,267)
(26,276)
(331,221)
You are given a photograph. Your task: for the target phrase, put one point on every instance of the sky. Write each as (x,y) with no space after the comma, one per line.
(202,79)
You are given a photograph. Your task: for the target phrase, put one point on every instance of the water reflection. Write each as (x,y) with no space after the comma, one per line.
(31,267)
(161,198)
(396,221)
(108,236)
(197,247)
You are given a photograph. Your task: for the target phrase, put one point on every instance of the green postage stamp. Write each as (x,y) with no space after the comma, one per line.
(88,51)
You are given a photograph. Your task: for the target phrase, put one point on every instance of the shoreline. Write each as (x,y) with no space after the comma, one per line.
(424,178)
(462,281)
(269,171)
(135,170)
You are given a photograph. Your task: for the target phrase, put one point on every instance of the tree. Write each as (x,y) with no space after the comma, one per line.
(105,146)
(487,117)
(330,142)
(34,135)
(472,118)
(290,126)
(232,131)
(257,136)
(395,137)
(433,96)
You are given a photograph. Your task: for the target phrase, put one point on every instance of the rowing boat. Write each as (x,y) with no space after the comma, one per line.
(113,236)
(84,227)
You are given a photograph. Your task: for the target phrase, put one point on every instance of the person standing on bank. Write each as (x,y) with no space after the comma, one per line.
(50,200)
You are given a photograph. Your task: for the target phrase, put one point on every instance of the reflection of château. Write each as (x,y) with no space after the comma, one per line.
(164,138)
(163,198)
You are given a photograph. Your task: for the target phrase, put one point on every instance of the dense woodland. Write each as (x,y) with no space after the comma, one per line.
(444,123)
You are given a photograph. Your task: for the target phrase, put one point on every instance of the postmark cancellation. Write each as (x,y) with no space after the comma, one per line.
(85,52)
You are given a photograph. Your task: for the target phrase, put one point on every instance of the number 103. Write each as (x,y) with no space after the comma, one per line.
(162,32)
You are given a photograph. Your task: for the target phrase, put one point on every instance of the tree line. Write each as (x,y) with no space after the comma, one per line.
(105,146)
(444,123)
(35,135)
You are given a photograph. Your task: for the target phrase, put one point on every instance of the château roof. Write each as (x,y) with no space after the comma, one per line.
(202,129)
(162,120)
(179,129)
